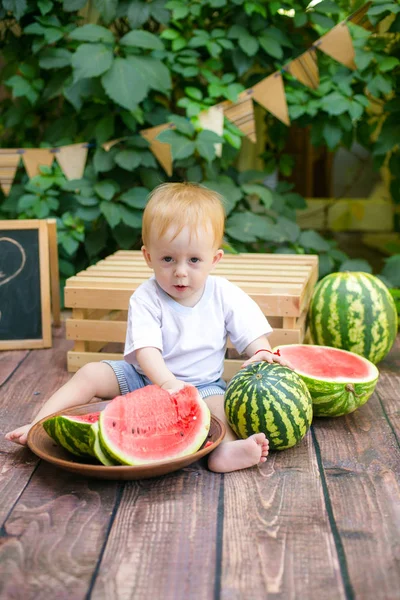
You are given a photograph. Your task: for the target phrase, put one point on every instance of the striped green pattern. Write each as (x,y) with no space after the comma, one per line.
(353,311)
(71,434)
(99,451)
(272,399)
(333,399)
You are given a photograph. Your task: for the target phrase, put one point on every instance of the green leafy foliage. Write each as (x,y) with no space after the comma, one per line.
(137,64)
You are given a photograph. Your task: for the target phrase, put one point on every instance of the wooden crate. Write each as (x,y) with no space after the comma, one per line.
(281,285)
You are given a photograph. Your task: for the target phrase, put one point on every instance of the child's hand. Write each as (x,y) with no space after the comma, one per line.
(20,435)
(267,356)
(173,385)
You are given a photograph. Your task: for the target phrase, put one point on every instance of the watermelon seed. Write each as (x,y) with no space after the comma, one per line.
(114,423)
(182,434)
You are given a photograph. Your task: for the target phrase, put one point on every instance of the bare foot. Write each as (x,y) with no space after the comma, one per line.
(239,454)
(20,435)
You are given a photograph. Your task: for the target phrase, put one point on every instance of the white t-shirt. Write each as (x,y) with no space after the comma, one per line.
(192,340)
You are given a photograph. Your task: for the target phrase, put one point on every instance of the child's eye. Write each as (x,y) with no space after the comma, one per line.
(167,259)
(194,260)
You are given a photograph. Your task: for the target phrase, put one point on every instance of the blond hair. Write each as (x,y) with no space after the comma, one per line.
(181,205)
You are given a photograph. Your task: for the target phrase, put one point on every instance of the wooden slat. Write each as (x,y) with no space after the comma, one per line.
(290,258)
(53,538)
(96,331)
(277,538)
(21,397)
(9,362)
(164,540)
(122,266)
(361,458)
(118,299)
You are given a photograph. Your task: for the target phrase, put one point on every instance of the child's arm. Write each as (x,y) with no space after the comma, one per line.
(152,364)
(260,350)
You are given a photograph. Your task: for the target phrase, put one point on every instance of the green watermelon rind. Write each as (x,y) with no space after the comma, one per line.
(353,311)
(74,438)
(338,398)
(98,450)
(253,407)
(108,448)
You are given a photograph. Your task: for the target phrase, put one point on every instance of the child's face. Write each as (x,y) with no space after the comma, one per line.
(181,265)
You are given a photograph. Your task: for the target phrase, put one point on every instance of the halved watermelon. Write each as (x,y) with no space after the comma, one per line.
(151,425)
(338,381)
(72,432)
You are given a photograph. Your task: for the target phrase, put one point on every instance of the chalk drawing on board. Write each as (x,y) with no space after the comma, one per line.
(4,276)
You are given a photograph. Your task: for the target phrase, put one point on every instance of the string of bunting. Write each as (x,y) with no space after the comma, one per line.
(269,92)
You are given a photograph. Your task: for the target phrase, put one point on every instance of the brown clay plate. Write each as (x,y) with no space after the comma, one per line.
(44,447)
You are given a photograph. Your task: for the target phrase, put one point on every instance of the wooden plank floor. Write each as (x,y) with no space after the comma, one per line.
(319,521)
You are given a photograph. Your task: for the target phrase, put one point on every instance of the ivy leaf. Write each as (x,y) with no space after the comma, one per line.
(154,71)
(313,241)
(335,104)
(106,189)
(391,270)
(104,129)
(332,135)
(45,6)
(135,197)
(388,63)
(358,264)
(92,33)
(289,228)
(327,6)
(54,58)
(73,5)
(205,144)
(107,9)
(88,213)
(112,213)
(17,7)
(271,46)
(132,218)
(91,60)
(181,146)
(226,187)
(248,227)
(142,39)
(182,125)
(248,44)
(322,20)
(138,13)
(124,84)
(261,191)
(325,264)
(128,159)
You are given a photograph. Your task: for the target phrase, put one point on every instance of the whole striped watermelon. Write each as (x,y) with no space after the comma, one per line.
(339,381)
(72,432)
(355,312)
(269,398)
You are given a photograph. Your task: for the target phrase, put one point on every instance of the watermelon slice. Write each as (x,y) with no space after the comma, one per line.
(100,453)
(150,425)
(339,381)
(72,432)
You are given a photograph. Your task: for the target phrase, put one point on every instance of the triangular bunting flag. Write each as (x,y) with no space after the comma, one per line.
(305,69)
(270,93)
(72,160)
(241,113)
(33,158)
(337,44)
(359,14)
(9,160)
(161,150)
(213,120)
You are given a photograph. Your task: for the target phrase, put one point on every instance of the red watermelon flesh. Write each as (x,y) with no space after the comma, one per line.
(326,363)
(150,425)
(90,418)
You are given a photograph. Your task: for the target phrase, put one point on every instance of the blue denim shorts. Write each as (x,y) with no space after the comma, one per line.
(129,380)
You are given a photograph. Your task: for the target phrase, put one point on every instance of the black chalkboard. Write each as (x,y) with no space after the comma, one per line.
(24,285)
